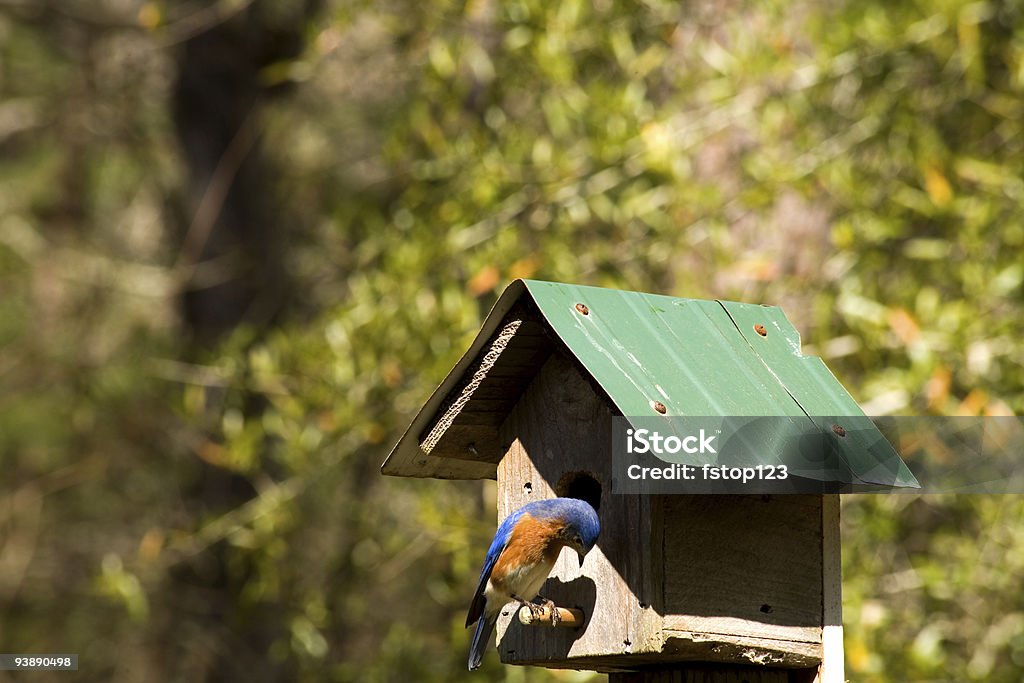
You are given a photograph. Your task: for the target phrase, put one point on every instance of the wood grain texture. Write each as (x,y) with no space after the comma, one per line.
(744,566)
(743,649)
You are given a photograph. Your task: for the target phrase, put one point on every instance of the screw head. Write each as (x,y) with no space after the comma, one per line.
(838,430)
(582,308)
(759,328)
(659,406)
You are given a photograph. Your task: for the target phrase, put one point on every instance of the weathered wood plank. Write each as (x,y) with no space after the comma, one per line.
(478,443)
(725,648)
(734,626)
(744,566)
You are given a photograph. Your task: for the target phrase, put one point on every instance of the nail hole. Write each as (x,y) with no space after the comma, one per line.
(528,488)
(582,308)
(767,609)
(838,430)
(659,406)
(759,328)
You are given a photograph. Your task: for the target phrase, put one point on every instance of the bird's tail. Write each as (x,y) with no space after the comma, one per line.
(484,626)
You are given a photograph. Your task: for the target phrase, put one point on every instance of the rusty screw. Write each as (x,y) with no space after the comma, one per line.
(838,430)
(582,308)
(659,406)
(759,328)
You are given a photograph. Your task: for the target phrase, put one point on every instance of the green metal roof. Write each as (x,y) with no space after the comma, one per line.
(696,357)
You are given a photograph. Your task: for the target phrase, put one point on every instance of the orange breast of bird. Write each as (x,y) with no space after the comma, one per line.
(528,557)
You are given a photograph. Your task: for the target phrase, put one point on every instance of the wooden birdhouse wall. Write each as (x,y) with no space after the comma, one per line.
(560,430)
(743,578)
(673,578)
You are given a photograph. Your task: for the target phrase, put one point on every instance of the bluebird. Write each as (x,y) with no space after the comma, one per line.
(522,554)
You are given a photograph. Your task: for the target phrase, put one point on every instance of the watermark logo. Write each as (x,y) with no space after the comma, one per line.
(817,454)
(641,441)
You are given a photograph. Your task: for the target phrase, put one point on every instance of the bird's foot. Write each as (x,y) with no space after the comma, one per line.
(545,603)
(536,611)
(525,603)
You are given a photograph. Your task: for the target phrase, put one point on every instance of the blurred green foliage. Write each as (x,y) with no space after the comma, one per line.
(858,163)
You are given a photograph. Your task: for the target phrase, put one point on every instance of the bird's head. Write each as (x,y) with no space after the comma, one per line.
(582,527)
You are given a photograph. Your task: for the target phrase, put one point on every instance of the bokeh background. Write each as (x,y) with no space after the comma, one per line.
(242,240)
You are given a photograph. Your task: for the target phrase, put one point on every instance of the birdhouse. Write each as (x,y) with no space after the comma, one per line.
(749,581)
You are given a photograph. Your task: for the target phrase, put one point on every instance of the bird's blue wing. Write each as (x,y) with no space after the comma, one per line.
(501,538)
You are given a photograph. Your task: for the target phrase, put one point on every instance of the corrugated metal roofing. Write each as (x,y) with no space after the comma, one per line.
(696,357)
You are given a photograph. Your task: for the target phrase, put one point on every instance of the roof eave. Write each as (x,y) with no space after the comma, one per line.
(407,459)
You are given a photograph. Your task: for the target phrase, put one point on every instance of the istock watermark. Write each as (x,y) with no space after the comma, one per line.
(646,441)
(817,454)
